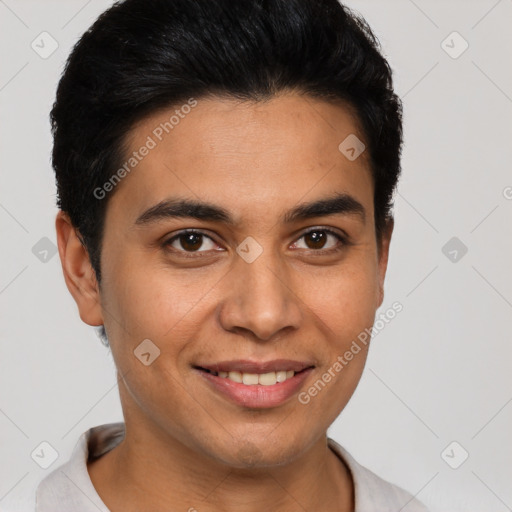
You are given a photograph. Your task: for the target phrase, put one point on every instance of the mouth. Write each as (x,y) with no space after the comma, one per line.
(253,379)
(256,385)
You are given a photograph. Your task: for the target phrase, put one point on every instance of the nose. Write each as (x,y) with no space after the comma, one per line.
(261,299)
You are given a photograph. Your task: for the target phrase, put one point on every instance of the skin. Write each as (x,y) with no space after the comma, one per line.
(187,446)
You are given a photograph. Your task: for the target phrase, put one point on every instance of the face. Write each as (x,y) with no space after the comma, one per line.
(268,277)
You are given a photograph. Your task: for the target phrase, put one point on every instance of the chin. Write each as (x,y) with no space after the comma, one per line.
(257,452)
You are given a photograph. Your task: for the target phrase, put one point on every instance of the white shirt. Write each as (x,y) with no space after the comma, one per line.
(68,488)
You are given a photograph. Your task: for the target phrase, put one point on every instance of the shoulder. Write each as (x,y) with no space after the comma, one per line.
(68,487)
(372,493)
(22,497)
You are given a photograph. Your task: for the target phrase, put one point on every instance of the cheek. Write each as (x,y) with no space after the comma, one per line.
(346,308)
(345,300)
(154,300)
(164,307)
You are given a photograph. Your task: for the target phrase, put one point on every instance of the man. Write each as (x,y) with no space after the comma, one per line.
(225,172)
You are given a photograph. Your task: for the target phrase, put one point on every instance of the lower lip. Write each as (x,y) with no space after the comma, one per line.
(257,395)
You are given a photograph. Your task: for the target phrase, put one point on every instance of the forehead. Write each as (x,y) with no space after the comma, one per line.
(245,154)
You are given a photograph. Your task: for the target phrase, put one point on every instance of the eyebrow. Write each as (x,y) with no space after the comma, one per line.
(337,204)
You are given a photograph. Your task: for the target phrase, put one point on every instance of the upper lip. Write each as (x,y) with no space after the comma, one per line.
(248,366)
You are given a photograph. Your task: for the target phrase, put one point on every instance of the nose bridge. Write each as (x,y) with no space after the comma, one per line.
(260,299)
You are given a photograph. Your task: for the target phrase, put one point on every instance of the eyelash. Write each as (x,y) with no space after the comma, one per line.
(195,254)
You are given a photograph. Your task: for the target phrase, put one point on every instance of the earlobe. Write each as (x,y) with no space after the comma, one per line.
(383,255)
(78,272)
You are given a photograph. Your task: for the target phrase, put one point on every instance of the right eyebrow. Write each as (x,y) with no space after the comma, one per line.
(186,208)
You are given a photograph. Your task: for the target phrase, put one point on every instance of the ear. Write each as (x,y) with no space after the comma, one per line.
(78,272)
(382,255)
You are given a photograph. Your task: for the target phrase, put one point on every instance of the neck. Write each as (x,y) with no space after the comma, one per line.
(141,476)
(153,470)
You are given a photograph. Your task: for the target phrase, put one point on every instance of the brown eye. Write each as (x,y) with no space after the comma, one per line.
(315,239)
(321,240)
(191,241)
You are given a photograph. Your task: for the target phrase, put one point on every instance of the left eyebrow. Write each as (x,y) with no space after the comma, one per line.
(338,204)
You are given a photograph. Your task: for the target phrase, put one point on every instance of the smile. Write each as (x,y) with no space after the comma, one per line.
(252,379)
(255,385)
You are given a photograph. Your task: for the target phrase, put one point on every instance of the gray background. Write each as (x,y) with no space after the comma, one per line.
(438,373)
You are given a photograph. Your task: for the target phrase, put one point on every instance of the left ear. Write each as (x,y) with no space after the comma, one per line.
(382,256)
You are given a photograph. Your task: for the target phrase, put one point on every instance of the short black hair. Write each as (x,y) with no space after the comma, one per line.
(141,56)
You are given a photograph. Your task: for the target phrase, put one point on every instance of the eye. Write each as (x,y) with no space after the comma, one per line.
(321,239)
(191,241)
(316,240)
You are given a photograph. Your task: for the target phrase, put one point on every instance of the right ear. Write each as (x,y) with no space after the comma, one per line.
(78,272)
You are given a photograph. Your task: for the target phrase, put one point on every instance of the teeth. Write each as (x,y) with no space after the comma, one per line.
(267,379)
(281,376)
(251,379)
(235,376)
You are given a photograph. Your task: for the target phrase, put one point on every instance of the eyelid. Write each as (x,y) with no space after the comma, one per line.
(196,231)
(341,235)
(334,231)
